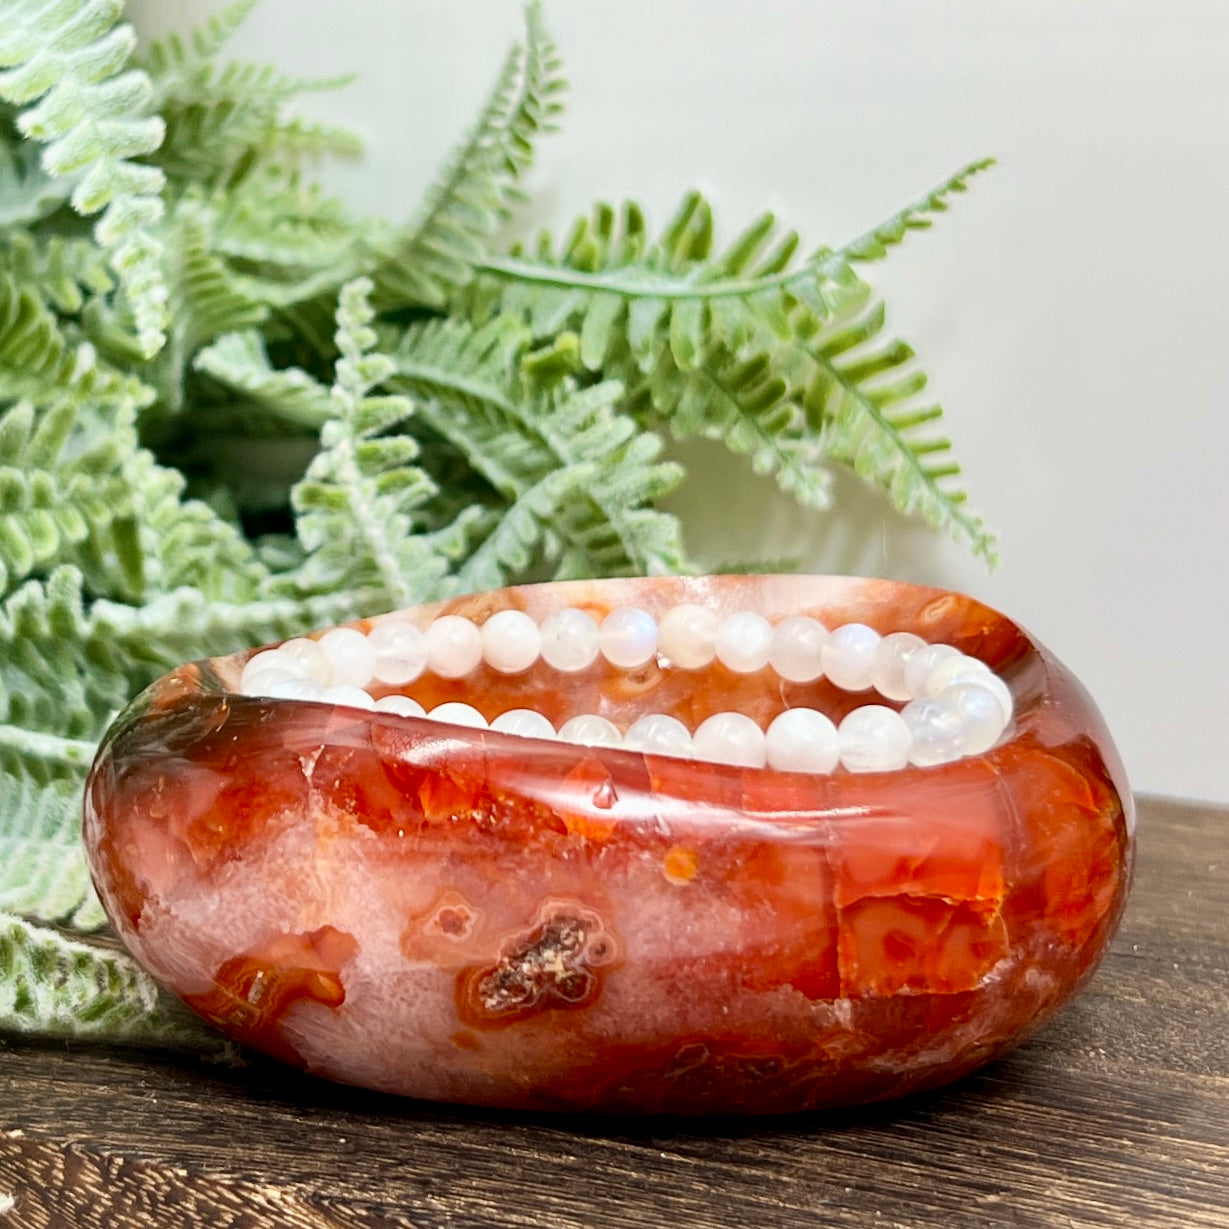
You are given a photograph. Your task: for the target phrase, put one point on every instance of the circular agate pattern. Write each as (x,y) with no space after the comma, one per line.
(480,915)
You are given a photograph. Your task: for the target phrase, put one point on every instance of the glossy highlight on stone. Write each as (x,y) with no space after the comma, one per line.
(471,915)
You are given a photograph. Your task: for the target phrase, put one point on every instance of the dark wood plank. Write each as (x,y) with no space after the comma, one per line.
(1115,1114)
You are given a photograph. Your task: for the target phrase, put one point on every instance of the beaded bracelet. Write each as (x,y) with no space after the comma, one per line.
(955,706)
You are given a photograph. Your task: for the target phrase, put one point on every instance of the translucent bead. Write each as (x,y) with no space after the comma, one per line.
(849,655)
(873,738)
(802,740)
(570,640)
(981,712)
(797,648)
(527,722)
(297,689)
(279,666)
(591,730)
(455,713)
(403,706)
(936,729)
(313,660)
(891,657)
(730,738)
(920,666)
(989,681)
(265,682)
(348,695)
(629,637)
(351,657)
(687,635)
(959,668)
(401,652)
(744,641)
(510,641)
(454,647)
(658,733)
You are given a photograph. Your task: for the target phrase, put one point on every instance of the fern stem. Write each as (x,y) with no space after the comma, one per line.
(47,748)
(824,264)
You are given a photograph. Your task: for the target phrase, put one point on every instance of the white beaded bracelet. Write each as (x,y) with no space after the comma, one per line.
(954,705)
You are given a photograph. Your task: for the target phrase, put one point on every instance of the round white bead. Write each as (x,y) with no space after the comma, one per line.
(891,657)
(403,706)
(455,713)
(687,635)
(937,731)
(849,655)
(658,733)
(570,640)
(401,652)
(348,695)
(981,709)
(591,730)
(730,738)
(922,664)
(629,637)
(510,641)
(970,670)
(264,682)
(351,657)
(744,641)
(526,722)
(873,738)
(454,647)
(278,665)
(797,648)
(297,689)
(313,661)
(802,740)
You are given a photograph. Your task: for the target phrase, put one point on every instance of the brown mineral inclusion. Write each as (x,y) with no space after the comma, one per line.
(477,917)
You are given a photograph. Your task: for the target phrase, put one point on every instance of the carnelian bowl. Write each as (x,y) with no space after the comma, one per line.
(471,916)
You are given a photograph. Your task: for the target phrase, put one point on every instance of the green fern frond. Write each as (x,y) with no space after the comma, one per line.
(66,64)
(57,986)
(27,192)
(517,438)
(361,501)
(59,488)
(240,363)
(65,271)
(472,197)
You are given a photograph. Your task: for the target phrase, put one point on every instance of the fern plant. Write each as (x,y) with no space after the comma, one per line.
(232,411)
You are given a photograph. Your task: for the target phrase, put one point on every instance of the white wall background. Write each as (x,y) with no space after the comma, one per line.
(1072,311)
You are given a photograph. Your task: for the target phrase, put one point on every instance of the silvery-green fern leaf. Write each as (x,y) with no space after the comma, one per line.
(67,65)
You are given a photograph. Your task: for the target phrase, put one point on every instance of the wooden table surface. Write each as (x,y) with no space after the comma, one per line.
(1115,1114)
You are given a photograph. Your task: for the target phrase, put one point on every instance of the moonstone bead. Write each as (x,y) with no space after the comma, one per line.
(455,713)
(629,637)
(591,730)
(874,738)
(802,740)
(570,640)
(797,648)
(936,730)
(351,657)
(658,732)
(454,647)
(982,713)
(892,654)
(527,722)
(403,706)
(744,641)
(984,678)
(273,662)
(922,664)
(510,641)
(730,738)
(347,694)
(263,682)
(687,635)
(849,654)
(313,660)
(297,689)
(959,668)
(401,652)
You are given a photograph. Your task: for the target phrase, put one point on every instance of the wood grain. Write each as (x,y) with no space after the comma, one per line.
(1116,1114)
